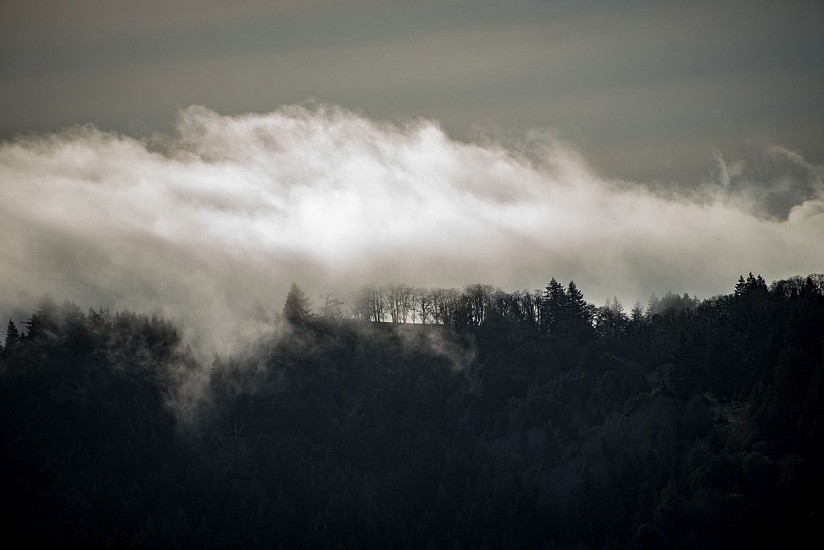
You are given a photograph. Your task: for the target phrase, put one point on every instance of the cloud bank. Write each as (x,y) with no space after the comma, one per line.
(199,224)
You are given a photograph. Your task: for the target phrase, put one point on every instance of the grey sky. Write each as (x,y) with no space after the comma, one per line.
(646,90)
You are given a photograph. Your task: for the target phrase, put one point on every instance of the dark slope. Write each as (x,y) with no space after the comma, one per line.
(699,425)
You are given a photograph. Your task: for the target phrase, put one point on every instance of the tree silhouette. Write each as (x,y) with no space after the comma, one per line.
(12,337)
(298,308)
(44,323)
(552,306)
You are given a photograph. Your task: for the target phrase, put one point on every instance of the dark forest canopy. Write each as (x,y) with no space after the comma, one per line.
(522,419)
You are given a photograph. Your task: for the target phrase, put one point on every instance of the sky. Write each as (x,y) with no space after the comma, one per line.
(646,89)
(189,157)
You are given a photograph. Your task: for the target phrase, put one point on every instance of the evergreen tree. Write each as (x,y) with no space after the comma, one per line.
(258,313)
(12,337)
(580,314)
(332,308)
(751,286)
(298,307)
(45,320)
(552,306)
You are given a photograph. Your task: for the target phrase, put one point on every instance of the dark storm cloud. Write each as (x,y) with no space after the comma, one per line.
(199,224)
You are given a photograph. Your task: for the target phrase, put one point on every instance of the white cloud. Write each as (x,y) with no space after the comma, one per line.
(197,225)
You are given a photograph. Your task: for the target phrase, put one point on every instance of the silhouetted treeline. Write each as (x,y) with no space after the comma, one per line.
(473,305)
(526,419)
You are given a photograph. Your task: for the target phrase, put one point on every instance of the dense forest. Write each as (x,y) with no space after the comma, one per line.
(489,420)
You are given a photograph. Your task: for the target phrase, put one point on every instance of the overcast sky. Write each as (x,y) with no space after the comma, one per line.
(646,89)
(190,157)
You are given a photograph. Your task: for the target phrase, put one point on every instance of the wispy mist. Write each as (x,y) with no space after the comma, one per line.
(199,224)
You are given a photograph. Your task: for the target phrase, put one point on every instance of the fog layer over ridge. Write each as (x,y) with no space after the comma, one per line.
(197,225)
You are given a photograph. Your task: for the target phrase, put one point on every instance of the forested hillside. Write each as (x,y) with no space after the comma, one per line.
(495,420)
